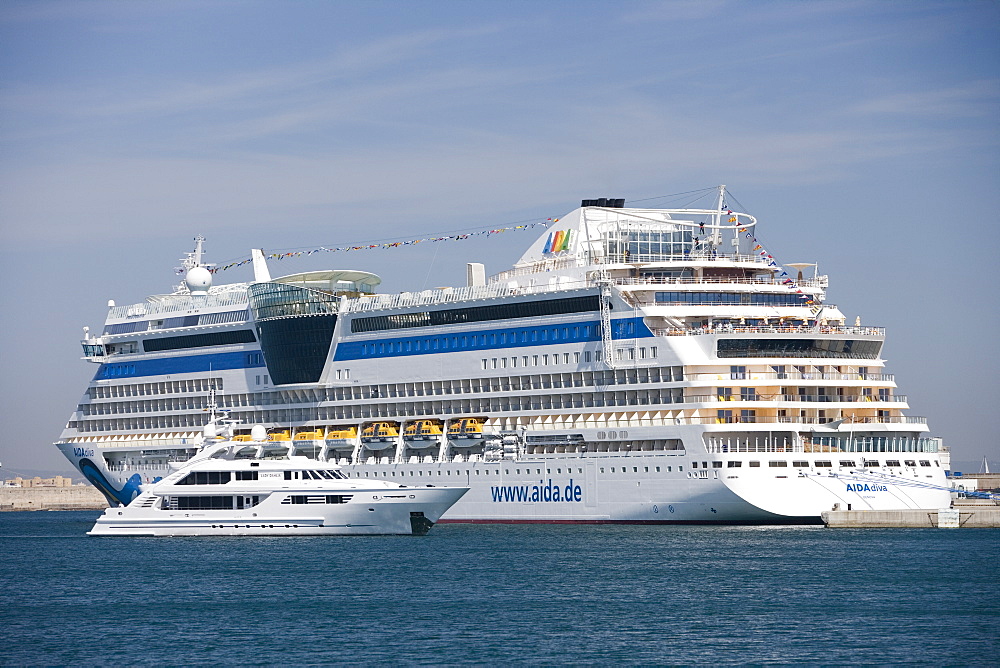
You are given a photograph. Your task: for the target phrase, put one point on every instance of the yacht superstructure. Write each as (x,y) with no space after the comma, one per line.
(635,365)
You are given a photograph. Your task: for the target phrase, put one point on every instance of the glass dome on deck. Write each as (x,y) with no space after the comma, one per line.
(334,281)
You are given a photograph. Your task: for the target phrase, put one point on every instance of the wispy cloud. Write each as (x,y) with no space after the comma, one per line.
(975,98)
(240,91)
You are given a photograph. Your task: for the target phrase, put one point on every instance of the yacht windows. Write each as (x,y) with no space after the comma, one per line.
(892,462)
(206,478)
(847,463)
(319,499)
(871,463)
(823,464)
(925,462)
(199,502)
(753,464)
(777,464)
(800,464)
(246,475)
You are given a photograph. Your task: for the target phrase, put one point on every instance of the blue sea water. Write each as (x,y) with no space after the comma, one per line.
(500,594)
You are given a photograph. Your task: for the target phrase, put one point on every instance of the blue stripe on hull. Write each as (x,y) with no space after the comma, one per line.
(490,339)
(483,339)
(181,364)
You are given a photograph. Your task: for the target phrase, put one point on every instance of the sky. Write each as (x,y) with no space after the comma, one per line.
(862,135)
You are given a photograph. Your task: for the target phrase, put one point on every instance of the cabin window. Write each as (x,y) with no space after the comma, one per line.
(206,478)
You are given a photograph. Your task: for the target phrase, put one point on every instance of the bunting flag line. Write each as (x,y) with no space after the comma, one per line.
(398,244)
(814,305)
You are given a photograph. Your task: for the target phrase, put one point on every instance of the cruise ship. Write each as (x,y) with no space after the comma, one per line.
(635,365)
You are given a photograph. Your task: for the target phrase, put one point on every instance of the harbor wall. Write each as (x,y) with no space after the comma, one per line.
(77,497)
(968,517)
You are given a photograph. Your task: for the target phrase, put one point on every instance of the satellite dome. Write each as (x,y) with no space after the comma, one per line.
(258,433)
(198,280)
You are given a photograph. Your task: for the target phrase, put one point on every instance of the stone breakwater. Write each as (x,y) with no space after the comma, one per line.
(77,497)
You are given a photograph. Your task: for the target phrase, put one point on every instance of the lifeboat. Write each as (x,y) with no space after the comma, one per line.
(380,432)
(423,430)
(341,433)
(466,428)
(309,435)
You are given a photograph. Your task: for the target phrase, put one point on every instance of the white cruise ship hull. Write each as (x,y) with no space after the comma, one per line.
(635,489)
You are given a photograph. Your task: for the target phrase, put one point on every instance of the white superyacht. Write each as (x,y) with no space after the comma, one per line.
(218,493)
(636,365)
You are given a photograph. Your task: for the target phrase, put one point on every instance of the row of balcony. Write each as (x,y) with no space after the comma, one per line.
(820,398)
(770,329)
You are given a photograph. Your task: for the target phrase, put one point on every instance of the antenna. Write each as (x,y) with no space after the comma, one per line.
(193,259)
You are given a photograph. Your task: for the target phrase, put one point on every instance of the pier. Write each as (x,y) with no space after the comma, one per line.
(967,514)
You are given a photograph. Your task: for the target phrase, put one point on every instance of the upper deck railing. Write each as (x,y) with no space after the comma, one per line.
(701,257)
(711,280)
(175,303)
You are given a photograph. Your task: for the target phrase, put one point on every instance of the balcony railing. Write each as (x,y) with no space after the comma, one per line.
(817,398)
(791,375)
(769,329)
(744,419)
(712,280)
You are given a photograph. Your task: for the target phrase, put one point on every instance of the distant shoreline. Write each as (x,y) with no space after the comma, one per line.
(77,497)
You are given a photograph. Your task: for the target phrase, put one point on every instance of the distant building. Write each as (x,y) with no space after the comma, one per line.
(57,481)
